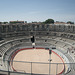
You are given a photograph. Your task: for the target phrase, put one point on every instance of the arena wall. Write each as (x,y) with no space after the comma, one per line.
(66,31)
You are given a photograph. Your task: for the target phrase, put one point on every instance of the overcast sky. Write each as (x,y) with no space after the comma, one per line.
(37,10)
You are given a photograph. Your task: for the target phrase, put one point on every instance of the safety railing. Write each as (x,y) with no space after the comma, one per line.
(37,68)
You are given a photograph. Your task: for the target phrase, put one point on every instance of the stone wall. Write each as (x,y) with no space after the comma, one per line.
(67,31)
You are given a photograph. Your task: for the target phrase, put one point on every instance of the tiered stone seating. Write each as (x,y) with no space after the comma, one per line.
(9,46)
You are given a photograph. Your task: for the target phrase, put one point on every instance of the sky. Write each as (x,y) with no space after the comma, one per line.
(37,10)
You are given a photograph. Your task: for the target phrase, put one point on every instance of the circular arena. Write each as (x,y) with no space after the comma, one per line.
(19,57)
(39,55)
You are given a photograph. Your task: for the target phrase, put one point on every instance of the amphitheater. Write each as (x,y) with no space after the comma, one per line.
(16,38)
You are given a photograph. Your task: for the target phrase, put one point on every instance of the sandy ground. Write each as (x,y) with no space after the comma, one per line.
(37,55)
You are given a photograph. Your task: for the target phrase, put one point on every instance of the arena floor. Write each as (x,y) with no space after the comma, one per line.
(40,58)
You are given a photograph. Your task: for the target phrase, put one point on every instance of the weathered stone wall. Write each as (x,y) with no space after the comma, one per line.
(67,31)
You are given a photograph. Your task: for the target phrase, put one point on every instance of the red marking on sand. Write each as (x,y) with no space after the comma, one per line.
(35,48)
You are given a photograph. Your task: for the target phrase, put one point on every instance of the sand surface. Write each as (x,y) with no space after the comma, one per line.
(37,55)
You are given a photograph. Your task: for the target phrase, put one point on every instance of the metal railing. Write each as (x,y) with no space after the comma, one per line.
(43,68)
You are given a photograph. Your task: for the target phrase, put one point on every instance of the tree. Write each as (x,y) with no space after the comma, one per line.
(49,21)
(5,22)
(0,22)
(70,22)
